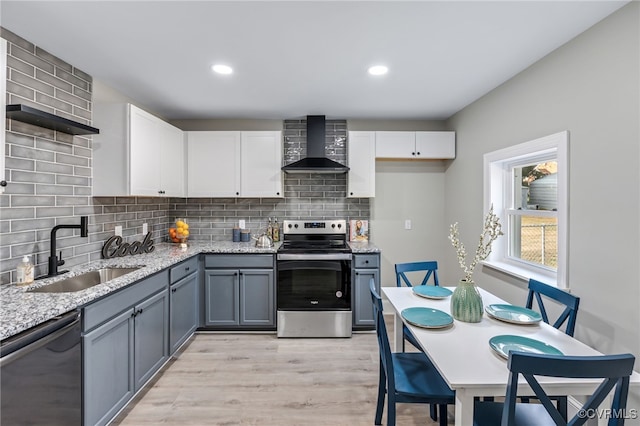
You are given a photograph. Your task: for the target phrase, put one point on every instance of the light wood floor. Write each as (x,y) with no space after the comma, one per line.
(258,379)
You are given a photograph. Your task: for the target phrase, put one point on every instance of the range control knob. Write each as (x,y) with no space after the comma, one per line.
(296,225)
(333,225)
(290,226)
(339,225)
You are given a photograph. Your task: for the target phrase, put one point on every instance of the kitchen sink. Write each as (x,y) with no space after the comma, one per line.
(84,281)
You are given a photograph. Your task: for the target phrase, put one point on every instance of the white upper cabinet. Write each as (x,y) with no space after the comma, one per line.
(436,145)
(234,164)
(213,164)
(361,154)
(426,145)
(136,153)
(395,144)
(260,164)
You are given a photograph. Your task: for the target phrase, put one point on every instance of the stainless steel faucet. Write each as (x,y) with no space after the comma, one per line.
(54,262)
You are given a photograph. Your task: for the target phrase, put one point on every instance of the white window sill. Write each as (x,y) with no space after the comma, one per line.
(522,273)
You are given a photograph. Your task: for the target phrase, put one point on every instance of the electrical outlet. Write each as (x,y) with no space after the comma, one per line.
(242,223)
(118,231)
(407,224)
(145,228)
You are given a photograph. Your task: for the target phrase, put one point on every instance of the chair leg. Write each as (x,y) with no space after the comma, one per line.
(382,385)
(562,406)
(443,414)
(391,410)
(434,412)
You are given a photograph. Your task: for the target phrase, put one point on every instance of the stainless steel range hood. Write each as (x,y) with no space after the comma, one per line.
(316,161)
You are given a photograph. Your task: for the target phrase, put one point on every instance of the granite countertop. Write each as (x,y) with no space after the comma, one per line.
(22,310)
(359,247)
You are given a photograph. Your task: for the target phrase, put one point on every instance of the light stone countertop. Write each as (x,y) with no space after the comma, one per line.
(21,310)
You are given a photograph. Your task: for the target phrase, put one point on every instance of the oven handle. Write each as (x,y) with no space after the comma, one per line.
(302,256)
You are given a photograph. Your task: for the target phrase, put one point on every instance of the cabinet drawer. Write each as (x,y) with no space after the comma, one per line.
(366,261)
(183,269)
(98,312)
(239,261)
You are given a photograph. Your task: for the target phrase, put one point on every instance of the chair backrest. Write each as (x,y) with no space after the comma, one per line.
(430,269)
(383,337)
(614,370)
(538,289)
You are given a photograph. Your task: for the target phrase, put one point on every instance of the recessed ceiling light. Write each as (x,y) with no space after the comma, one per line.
(222,69)
(378,70)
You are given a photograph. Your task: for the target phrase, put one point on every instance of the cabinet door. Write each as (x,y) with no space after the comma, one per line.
(363,307)
(261,162)
(257,297)
(183,311)
(108,368)
(436,145)
(395,144)
(222,297)
(213,164)
(361,179)
(172,161)
(144,151)
(150,337)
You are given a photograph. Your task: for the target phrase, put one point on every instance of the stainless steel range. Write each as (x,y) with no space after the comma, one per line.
(314,279)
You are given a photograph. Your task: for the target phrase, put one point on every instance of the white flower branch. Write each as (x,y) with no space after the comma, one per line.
(492,229)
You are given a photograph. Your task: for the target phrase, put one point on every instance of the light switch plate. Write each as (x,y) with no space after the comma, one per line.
(407,224)
(118,230)
(145,228)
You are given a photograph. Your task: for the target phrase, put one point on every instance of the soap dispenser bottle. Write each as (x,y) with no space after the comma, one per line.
(25,271)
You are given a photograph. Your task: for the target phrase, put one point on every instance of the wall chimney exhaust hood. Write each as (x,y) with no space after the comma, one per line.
(316,161)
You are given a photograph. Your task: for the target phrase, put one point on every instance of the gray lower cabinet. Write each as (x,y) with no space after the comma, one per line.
(125,341)
(366,267)
(242,297)
(183,303)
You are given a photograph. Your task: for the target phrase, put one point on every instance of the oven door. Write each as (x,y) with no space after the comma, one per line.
(314,282)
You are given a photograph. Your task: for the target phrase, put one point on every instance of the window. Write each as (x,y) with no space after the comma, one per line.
(528,187)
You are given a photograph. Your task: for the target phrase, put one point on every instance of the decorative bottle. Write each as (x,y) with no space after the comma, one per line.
(270,230)
(25,271)
(276,230)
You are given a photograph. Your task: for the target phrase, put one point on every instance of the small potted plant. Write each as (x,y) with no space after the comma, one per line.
(466,302)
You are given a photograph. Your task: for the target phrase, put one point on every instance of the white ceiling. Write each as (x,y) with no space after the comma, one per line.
(294,58)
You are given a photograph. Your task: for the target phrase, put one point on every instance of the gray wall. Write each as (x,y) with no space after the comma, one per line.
(590,86)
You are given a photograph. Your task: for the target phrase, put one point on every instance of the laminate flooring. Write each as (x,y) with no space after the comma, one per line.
(259,379)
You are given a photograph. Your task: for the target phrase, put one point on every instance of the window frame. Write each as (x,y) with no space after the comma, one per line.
(497,177)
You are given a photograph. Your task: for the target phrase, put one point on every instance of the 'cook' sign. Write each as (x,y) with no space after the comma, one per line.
(114,247)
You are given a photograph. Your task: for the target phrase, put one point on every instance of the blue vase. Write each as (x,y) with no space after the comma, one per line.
(466,302)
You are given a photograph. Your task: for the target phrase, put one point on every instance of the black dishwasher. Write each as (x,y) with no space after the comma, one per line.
(41,374)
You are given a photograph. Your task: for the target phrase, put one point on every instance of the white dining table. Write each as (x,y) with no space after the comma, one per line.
(462,354)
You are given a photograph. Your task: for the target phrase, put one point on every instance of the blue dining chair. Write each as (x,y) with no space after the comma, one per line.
(538,289)
(430,270)
(614,370)
(406,377)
